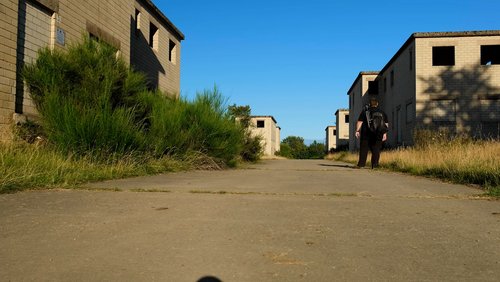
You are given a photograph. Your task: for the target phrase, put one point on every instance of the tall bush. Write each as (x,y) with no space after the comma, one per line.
(203,125)
(252,149)
(90,100)
(86,97)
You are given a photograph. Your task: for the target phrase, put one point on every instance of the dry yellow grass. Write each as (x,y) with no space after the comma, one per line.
(457,156)
(461,161)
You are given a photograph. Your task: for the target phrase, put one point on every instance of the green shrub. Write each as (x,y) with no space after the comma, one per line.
(252,148)
(285,151)
(86,128)
(87,98)
(316,150)
(203,125)
(90,101)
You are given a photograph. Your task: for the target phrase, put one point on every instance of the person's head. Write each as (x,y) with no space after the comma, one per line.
(373,102)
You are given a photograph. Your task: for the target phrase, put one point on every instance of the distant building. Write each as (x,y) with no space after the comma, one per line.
(439,81)
(267,128)
(342,120)
(144,36)
(331,138)
(363,86)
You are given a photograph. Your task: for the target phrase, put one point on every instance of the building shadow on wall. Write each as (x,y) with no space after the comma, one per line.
(461,101)
(142,56)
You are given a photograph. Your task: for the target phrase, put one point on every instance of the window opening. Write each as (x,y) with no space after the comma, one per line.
(172,51)
(260,124)
(443,55)
(373,87)
(409,113)
(490,55)
(153,36)
(137,20)
(411,59)
(93,37)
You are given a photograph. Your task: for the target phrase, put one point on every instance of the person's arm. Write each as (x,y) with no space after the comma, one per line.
(358,128)
(384,137)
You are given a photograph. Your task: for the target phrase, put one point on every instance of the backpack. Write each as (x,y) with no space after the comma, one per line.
(376,122)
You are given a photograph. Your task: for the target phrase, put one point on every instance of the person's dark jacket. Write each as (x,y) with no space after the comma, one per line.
(365,132)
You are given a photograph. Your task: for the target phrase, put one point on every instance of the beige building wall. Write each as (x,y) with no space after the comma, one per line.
(462,97)
(8,45)
(358,97)
(266,127)
(36,34)
(397,96)
(277,144)
(342,119)
(331,138)
(465,97)
(162,61)
(125,24)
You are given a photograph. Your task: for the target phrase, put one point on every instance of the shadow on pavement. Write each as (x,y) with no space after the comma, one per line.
(337,165)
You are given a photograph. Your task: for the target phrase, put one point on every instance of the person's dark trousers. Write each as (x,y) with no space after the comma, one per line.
(363,152)
(375,148)
(372,145)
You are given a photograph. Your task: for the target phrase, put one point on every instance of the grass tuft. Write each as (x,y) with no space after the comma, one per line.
(28,166)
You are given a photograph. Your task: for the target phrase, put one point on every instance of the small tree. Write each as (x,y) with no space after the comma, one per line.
(316,150)
(297,147)
(252,145)
(285,151)
(240,113)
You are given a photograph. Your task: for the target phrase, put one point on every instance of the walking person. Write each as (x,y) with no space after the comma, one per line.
(371,129)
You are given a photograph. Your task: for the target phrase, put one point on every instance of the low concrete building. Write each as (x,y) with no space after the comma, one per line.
(267,128)
(144,36)
(440,81)
(364,85)
(342,121)
(331,138)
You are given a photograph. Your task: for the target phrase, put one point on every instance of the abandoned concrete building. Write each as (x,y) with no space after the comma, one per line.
(144,36)
(268,129)
(342,122)
(437,80)
(331,138)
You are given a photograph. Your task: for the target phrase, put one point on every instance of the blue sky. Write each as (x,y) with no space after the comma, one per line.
(296,60)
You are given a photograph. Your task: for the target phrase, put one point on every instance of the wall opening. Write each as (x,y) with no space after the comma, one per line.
(260,124)
(172,52)
(153,36)
(443,55)
(411,59)
(93,37)
(137,20)
(490,55)
(373,87)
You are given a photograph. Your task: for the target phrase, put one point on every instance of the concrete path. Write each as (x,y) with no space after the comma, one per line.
(276,221)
